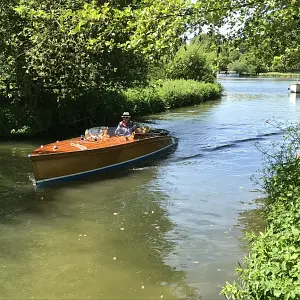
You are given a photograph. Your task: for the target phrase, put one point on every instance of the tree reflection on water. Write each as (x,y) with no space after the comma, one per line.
(251,221)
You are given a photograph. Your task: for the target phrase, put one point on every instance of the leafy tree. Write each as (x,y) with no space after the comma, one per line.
(80,44)
(291,59)
(270,24)
(224,58)
(277,64)
(238,66)
(217,50)
(254,63)
(190,63)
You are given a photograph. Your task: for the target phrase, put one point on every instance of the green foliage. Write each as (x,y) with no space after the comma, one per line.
(238,66)
(255,64)
(195,60)
(190,63)
(171,94)
(156,71)
(145,100)
(289,61)
(277,64)
(178,93)
(272,269)
(79,45)
(226,55)
(93,107)
(16,121)
(278,74)
(249,62)
(104,107)
(270,24)
(268,28)
(291,58)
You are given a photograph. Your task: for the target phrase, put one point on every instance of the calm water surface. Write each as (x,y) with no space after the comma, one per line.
(173,230)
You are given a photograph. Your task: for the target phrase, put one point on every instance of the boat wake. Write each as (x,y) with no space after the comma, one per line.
(229,145)
(271,134)
(143,168)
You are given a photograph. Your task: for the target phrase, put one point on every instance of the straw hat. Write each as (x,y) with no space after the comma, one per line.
(126,114)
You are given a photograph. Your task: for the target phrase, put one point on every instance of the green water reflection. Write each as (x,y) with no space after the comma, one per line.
(251,220)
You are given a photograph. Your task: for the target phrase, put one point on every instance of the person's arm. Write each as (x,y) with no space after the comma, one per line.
(134,127)
(119,130)
(122,131)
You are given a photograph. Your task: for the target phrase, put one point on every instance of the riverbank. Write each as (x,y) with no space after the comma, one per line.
(278,74)
(271,271)
(180,221)
(95,108)
(273,74)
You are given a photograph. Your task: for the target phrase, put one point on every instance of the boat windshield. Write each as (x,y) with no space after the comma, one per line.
(111,131)
(97,131)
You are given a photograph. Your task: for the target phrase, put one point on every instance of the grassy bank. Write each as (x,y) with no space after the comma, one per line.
(274,74)
(278,74)
(272,269)
(102,108)
(164,95)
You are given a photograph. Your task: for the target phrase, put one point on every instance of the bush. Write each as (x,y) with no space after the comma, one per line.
(190,64)
(144,101)
(171,94)
(277,64)
(273,266)
(91,108)
(238,66)
(17,121)
(178,93)
(103,107)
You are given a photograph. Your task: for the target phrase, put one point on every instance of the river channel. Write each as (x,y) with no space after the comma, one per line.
(172,230)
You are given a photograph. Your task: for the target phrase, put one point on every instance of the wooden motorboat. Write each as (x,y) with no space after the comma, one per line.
(96,152)
(295,88)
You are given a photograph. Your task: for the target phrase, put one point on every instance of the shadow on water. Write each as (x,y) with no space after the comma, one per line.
(102,239)
(16,189)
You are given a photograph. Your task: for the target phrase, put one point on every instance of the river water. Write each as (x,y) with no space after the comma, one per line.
(172,230)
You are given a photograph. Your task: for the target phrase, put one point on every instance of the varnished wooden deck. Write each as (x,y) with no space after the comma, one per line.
(77,144)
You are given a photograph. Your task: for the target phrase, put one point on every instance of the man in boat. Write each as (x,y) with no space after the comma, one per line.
(126,126)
